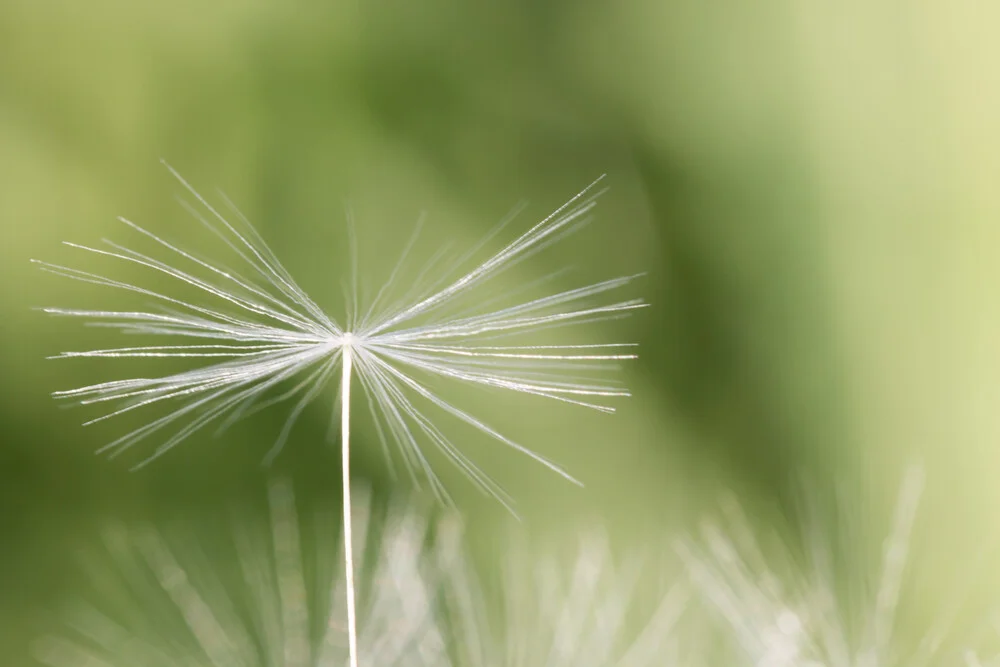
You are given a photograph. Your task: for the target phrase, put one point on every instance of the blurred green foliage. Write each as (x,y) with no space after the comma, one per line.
(810,187)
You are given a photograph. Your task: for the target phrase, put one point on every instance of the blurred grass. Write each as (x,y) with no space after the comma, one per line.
(810,187)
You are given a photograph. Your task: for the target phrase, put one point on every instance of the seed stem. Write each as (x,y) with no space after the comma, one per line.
(345,424)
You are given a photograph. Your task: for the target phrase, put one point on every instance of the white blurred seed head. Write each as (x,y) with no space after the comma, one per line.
(784,607)
(584,610)
(277,606)
(168,600)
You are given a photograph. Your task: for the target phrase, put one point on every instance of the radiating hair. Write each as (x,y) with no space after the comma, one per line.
(255,331)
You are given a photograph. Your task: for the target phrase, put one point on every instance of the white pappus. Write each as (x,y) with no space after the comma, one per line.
(259,332)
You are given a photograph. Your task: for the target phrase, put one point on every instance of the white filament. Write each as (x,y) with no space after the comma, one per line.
(345,422)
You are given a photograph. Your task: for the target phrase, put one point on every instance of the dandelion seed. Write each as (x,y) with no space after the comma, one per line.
(783,615)
(263,331)
(182,606)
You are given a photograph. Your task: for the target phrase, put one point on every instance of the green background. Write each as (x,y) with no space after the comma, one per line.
(812,189)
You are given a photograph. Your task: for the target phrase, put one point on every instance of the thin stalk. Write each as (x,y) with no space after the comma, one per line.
(345,447)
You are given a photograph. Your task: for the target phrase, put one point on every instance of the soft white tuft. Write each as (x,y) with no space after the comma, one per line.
(260,331)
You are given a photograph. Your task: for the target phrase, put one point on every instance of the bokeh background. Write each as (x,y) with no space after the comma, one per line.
(812,189)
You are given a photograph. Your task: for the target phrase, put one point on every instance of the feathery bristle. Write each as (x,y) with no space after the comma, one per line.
(261,331)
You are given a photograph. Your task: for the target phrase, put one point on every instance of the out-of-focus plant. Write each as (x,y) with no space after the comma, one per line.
(784,607)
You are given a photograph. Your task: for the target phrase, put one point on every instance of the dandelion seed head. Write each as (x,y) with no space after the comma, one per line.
(585,608)
(781,611)
(183,606)
(261,341)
